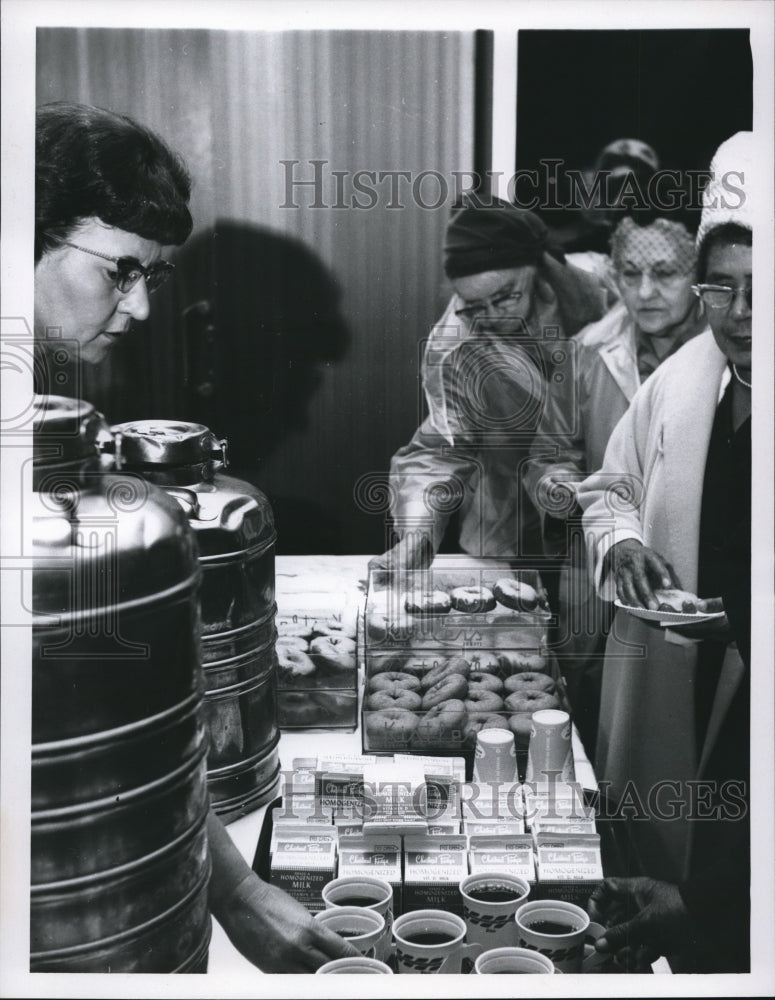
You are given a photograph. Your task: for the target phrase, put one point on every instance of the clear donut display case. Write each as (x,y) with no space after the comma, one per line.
(317,670)
(452,649)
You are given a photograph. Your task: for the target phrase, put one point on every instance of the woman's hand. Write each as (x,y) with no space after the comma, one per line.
(275,932)
(638,571)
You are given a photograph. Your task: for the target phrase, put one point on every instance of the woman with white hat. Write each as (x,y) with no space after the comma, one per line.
(670,508)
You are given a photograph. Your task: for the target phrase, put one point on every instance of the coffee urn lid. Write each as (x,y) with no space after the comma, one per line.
(168,442)
(66,429)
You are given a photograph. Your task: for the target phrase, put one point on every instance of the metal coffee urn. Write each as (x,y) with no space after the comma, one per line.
(234,527)
(119,861)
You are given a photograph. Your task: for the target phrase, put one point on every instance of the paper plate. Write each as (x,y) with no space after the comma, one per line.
(668,618)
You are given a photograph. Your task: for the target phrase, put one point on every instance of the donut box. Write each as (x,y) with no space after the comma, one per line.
(452,649)
(317,670)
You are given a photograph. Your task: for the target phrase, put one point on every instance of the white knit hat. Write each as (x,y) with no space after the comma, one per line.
(728,196)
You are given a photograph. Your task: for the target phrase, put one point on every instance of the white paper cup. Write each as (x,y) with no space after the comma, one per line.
(431,941)
(495,757)
(511,961)
(354,966)
(540,926)
(490,900)
(361,927)
(549,753)
(371,894)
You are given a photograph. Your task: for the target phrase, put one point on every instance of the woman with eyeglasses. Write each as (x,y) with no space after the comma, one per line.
(653,266)
(671,508)
(109,195)
(486,368)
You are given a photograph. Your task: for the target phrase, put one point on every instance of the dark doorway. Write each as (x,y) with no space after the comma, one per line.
(681,91)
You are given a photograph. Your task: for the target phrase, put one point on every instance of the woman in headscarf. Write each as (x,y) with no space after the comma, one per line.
(486,369)
(653,266)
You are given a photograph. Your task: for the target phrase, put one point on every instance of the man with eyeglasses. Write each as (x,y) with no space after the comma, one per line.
(671,508)
(109,195)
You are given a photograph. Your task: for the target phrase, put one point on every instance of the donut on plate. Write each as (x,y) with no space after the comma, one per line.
(426,602)
(515,595)
(529,681)
(454,665)
(444,722)
(389,728)
(521,702)
(472,600)
(394,697)
(673,600)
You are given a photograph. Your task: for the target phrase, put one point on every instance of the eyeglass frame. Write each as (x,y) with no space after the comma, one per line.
(733,292)
(471,312)
(154,275)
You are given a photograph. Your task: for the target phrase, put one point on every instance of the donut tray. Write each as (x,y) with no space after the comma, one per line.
(390,625)
(316,691)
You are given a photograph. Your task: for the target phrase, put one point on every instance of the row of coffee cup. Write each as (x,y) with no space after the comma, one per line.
(498,918)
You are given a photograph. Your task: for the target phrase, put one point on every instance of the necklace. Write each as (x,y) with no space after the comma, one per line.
(740,378)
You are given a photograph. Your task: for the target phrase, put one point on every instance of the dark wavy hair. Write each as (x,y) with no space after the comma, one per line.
(90,162)
(726,234)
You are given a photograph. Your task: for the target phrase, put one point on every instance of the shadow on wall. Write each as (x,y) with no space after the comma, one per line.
(260,315)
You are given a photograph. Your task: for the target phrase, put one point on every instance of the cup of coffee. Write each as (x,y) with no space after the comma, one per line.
(431,941)
(513,961)
(369,893)
(490,900)
(354,966)
(560,931)
(361,927)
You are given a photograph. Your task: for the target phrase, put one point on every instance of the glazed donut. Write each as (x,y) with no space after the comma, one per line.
(292,642)
(389,728)
(515,595)
(454,665)
(530,701)
(294,664)
(394,697)
(521,725)
(677,600)
(485,662)
(472,600)
(518,660)
(393,678)
(453,687)
(442,722)
(427,602)
(481,700)
(333,652)
(488,682)
(529,681)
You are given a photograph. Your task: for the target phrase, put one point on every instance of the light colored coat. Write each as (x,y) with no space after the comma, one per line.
(656,456)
